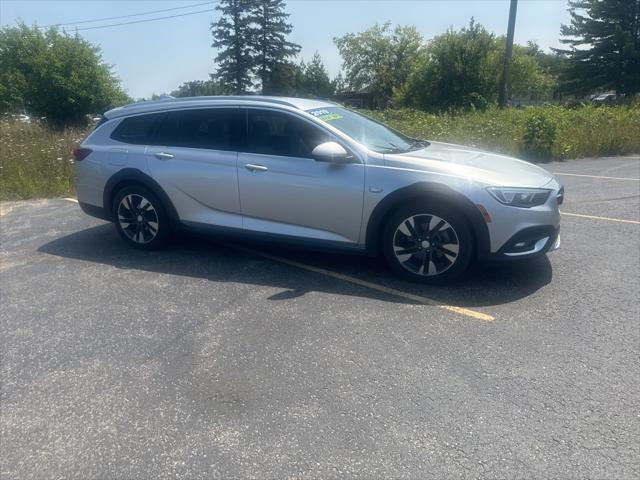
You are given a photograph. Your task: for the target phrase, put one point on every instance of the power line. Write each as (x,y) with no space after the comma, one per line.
(126,16)
(145,20)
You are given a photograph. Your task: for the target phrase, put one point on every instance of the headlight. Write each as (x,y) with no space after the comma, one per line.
(520,197)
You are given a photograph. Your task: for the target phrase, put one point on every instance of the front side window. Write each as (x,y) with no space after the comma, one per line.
(373,135)
(277,133)
(210,128)
(136,130)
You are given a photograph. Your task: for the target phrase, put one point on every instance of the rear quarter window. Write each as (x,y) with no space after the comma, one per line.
(136,130)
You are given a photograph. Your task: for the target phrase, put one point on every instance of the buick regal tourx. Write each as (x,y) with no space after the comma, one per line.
(312,172)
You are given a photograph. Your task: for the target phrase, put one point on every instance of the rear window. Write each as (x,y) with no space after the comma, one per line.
(210,128)
(136,130)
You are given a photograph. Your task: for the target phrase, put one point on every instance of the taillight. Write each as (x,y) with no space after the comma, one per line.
(81,153)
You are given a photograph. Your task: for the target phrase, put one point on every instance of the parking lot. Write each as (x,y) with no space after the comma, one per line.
(219,360)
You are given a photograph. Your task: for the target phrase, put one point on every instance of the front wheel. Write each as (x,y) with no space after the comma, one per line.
(427,243)
(140,218)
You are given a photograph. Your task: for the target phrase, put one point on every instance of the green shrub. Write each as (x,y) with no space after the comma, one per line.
(539,138)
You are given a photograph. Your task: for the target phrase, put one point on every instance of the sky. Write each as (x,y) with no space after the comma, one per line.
(158,56)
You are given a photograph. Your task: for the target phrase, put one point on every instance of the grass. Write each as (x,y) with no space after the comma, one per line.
(36,162)
(587,131)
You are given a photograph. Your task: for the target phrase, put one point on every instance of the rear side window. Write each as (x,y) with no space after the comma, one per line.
(210,128)
(276,133)
(136,130)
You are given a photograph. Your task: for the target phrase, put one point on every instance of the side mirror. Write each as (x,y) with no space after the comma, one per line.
(330,152)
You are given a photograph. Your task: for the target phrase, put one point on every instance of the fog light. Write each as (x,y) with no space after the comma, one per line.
(527,247)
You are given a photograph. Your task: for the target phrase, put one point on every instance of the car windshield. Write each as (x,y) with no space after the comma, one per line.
(372,134)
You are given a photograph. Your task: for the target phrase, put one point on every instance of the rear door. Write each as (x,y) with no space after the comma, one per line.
(283,190)
(193,157)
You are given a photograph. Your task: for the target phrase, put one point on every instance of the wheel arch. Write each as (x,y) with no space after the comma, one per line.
(133,176)
(434,192)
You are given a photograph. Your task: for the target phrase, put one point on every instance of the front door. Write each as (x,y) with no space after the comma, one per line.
(283,190)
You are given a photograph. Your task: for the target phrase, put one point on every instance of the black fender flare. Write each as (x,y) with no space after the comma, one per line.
(128,176)
(428,191)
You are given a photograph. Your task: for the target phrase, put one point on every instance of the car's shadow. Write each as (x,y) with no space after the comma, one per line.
(220,261)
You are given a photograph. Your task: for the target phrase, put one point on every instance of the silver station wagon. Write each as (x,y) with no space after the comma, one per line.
(311,172)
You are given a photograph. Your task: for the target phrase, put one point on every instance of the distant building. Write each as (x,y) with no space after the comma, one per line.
(361,99)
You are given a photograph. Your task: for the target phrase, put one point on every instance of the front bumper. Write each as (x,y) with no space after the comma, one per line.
(520,233)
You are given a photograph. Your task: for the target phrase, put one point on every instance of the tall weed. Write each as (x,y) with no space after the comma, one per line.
(36,161)
(587,131)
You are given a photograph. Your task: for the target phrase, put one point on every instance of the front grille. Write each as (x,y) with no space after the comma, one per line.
(560,196)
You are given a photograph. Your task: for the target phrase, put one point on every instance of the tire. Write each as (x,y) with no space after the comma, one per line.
(140,218)
(427,243)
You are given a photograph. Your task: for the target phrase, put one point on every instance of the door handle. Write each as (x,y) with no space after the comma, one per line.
(163,156)
(255,168)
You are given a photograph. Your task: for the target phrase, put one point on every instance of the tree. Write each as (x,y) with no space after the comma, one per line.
(315,79)
(406,43)
(270,45)
(54,75)
(233,34)
(453,71)
(552,63)
(604,46)
(379,59)
(339,84)
(528,79)
(462,70)
(197,88)
(284,79)
(303,79)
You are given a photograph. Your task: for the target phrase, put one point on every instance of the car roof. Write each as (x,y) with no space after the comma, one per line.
(171,103)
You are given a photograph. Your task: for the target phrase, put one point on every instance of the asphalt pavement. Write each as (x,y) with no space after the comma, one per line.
(222,360)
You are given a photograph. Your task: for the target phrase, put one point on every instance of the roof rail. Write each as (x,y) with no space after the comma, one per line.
(170,103)
(161,99)
(169,98)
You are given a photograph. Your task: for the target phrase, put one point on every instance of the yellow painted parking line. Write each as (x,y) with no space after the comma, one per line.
(597,176)
(373,286)
(69,199)
(593,217)
(363,283)
(4,210)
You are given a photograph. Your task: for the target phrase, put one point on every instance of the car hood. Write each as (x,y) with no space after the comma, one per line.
(472,164)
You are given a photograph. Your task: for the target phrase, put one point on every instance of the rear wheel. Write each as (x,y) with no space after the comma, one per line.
(427,243)
(140,218)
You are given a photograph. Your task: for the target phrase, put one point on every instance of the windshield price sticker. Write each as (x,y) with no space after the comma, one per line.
(325,115)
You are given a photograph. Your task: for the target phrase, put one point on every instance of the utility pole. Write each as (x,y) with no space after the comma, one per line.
(504,83)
